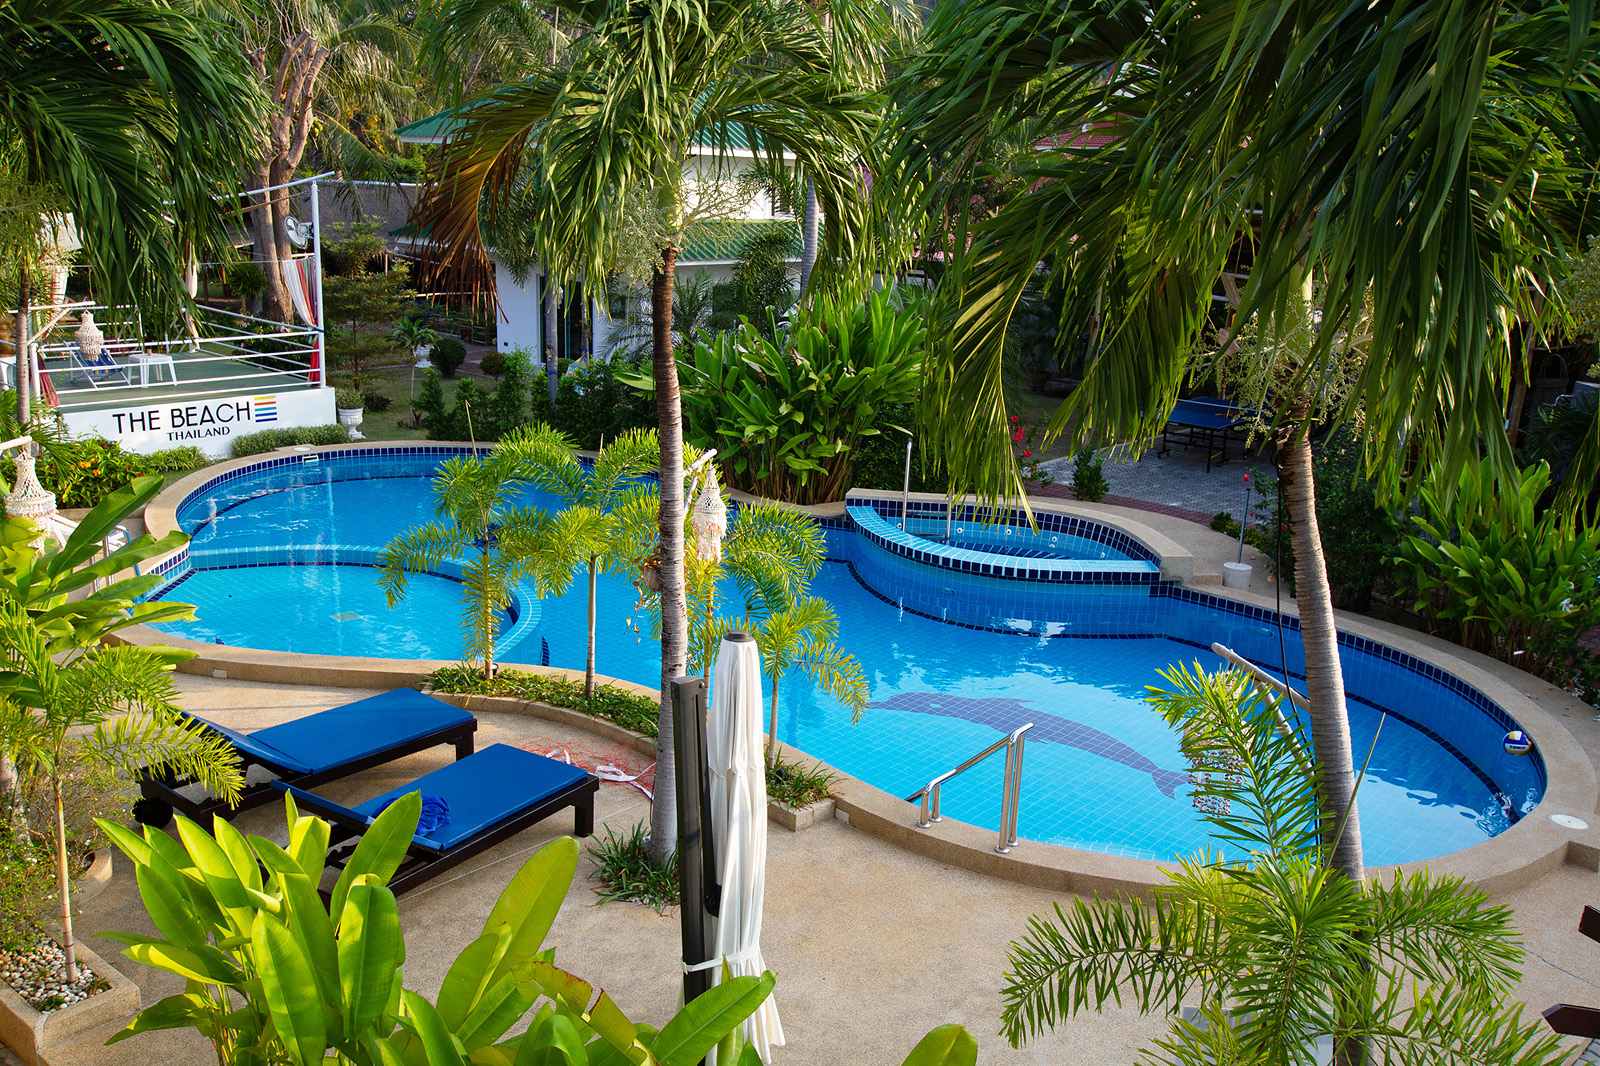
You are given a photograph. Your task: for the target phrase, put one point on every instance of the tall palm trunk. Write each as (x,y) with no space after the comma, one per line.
(674,617)
(69,949)
(772,735)
(24,358)
(588,672)
(808,236)
(1330,721)
(552,372)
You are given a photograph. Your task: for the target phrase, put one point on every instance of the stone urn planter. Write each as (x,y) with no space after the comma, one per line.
(32,1033)
(350,418)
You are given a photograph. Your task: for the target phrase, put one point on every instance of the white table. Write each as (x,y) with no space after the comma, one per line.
(156,360)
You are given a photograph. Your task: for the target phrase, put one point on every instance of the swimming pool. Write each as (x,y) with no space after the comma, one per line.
(954,658)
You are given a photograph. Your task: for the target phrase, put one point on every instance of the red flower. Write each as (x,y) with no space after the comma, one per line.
(1027,453)
(1013,418)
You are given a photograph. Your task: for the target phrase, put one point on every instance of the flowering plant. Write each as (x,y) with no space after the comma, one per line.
(1024,444)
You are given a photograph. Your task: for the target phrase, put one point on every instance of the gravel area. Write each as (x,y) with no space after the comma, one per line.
(40,977)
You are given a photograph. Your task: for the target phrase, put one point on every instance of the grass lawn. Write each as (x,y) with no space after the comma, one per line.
(398,381)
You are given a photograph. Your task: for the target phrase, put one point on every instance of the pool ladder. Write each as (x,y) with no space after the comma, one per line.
(1010,792)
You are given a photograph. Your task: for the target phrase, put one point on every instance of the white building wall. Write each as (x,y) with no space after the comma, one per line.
(521,318)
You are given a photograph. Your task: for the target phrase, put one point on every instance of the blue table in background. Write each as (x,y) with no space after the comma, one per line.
(1203,421)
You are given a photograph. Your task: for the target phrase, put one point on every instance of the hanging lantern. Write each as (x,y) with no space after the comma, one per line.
(28,498)
(91,341)
(709,519)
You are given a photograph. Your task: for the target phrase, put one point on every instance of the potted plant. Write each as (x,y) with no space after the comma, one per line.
(415,336)
(351,409)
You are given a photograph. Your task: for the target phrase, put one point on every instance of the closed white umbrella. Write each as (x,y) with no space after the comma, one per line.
(739,823)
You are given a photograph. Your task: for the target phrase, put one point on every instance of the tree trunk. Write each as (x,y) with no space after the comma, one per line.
(674,618)
(69,950)
(292,89)
(264,224)
(552,372)
(808,236)
(1330,722)
(588,671)
(24,357)
(772,736)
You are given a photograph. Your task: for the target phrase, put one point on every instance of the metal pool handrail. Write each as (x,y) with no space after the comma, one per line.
(1010,792)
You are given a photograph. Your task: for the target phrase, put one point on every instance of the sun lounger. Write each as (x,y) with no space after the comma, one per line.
(316,749)
(97,370)
(491,795)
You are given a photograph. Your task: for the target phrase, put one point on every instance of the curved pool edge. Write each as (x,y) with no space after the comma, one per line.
(1529,849)
(1532,848)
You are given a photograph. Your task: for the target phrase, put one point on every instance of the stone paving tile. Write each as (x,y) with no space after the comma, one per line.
(1178,479)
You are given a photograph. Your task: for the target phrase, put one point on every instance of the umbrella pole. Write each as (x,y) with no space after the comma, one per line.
(694,858)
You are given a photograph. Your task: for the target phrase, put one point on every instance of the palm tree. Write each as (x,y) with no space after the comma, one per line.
(478,519)
(599,152)
(1278,949)
(586,534)
(805,636)
(66,697)
(52,690)
(139,189)
(1420,158)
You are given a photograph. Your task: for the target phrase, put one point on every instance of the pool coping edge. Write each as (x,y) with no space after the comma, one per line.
(1531,848)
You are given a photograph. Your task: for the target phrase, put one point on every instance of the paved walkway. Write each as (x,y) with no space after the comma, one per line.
(1178,480)
(872,946)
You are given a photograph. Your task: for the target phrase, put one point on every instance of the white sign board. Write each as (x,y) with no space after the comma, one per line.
(208,423)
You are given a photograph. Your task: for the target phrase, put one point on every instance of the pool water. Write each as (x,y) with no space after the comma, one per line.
(324,609)
(953,661)
(1019,541)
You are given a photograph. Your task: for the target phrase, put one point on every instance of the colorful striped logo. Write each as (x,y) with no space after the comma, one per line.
(266,408)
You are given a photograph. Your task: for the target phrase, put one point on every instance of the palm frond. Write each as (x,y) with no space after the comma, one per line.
(418,551)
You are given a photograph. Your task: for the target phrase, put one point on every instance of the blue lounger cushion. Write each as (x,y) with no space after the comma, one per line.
(483,789)
(327,740)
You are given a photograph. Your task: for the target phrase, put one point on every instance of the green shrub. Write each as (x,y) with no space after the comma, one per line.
(1223,522)
(1493,574)
(347,399)
(83,472)
(508,406)
(494,364)
(789,413)
(593,404)
(792,784)
(428,410)
(271,439)
(627,709)
(879,461)
(448,355)
(175,460)
(376,402)
(246,279)
(627,874)
(1088,482)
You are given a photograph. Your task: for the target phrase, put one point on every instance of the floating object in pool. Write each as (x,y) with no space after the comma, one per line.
(1006,714)
(216,640)
(1517,743)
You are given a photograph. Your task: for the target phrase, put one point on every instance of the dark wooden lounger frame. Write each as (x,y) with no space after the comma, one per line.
(423,863)
(160,783)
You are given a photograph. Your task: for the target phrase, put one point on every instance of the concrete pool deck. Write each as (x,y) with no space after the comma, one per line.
(872,945)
